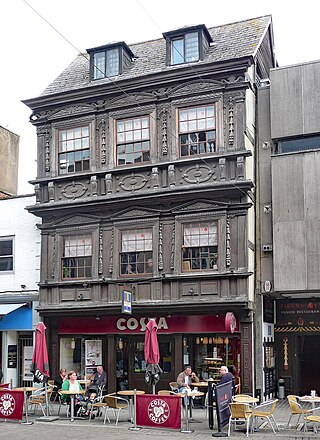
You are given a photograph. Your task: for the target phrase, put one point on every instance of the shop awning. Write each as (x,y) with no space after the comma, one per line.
(15,317)
(8,308)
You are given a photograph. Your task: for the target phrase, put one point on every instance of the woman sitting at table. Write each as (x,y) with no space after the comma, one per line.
(72,384)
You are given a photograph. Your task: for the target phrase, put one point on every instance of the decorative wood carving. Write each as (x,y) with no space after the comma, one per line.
(108,183)
(171,175)
(102,132)
(155,177)
(94,186)
(45,131)
(197,174)
(160,253)
(163,116)
(71,111)
(240,167)
(133,182)
(53,256)
(100,259)
(172,247)
(37,191)
(199,206)
(51,191)
(228,243)
(133,213)
(74,190)
(196,87)
(111,251)
(222,168)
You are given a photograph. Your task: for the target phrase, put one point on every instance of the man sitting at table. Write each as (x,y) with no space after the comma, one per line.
(185,378)
(98,381)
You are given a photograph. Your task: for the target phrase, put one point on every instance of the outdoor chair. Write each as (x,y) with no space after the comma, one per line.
(173,386)
(116,404)
(100,405)
(239,412)
(265,411)
(39,399)
(296,408)
(312,416)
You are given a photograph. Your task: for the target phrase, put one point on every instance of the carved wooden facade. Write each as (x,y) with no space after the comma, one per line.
(162,194)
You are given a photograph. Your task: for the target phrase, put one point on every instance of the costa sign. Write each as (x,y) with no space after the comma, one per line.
(11,404)
(156,412)
(230,322)
(139,324)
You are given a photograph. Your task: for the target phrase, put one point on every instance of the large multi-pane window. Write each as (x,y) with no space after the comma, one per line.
(74,150)
(6,254)
(197,130)
(77,257)
(185,49)
(133,140)
(136,252)
(106,63)
(200,246)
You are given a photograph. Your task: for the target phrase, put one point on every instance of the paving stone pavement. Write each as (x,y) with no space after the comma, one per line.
(93,430)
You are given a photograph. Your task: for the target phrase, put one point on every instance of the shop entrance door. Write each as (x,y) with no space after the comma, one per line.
(310,364)
(131,365)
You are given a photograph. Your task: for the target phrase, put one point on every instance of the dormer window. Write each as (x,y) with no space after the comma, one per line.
(109,61)
(187,45)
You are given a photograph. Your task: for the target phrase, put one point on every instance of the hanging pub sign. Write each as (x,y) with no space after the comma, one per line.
(230,322)
(127,302)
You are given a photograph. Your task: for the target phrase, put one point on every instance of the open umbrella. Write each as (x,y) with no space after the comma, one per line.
(40,364)
(152,355)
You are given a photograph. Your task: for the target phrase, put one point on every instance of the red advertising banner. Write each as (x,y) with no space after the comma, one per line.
(11,404)
(158,411)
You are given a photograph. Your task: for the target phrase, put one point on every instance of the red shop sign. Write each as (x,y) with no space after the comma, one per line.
(11,404)
(158,411)
(134,325)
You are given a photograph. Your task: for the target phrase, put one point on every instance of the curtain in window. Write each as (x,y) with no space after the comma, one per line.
(136,241)
(77,247)
(200,235)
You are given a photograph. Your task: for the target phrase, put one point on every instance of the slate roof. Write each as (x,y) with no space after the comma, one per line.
(230,41)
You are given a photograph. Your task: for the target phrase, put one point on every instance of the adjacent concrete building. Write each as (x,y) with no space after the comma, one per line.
(146,174)
(288,200)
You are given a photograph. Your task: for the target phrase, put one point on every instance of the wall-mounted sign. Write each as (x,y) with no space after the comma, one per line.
(127,302)
(267,286)
(298,313)
(12,356)
(268,309)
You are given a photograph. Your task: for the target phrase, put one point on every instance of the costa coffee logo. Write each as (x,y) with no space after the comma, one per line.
(7,404)
(158,411)
(134,324)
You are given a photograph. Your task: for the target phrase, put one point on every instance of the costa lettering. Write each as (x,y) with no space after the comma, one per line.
(134,324)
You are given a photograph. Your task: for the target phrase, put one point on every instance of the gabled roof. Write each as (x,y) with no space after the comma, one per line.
(230,41)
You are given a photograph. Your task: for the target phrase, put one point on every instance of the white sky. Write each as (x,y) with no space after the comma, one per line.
(33,54)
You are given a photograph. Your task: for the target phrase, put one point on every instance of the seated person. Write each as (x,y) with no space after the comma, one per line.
(86,403)
(59,379)
(72,384)
(185,378)
(98,380)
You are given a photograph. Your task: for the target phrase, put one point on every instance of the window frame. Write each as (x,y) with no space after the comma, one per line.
(193,262)
(8,256)
(64,268)
(184,56)
(133,142)
(75,139)
(198,132)
(146,253)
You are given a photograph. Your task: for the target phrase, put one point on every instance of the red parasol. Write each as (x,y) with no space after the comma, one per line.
(151,346)
(40,353)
